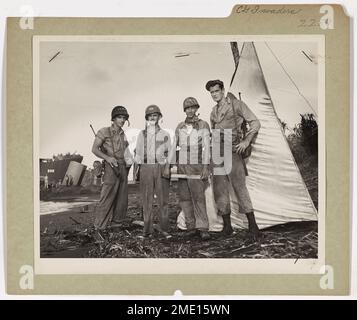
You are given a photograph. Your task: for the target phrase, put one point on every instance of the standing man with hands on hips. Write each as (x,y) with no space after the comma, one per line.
(229,114)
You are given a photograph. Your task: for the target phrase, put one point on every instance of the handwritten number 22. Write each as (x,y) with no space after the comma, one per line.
(308,23)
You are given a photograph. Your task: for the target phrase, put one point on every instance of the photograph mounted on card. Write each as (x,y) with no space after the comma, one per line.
(261,208)
(159,155)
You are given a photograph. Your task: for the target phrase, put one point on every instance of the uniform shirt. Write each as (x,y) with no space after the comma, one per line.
(193,140)
(115,144)
(223,118)
(152,146)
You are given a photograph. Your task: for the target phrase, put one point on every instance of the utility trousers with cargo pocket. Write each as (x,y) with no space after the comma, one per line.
(192,197)
(237,178)
(113,203)
(152,182)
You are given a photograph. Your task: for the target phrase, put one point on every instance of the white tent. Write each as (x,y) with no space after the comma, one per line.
(279,194)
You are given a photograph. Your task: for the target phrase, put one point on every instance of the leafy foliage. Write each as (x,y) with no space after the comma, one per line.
(306,134)
(303,142)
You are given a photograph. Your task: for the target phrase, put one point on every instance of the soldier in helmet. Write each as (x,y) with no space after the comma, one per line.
(152,148)
(192,136)
(111,145)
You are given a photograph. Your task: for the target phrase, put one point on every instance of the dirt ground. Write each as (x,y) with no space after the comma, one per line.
(70,235)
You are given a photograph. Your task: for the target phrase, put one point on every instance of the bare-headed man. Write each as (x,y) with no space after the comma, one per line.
(229,114)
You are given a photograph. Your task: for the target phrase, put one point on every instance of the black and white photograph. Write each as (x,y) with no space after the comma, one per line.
(185,150)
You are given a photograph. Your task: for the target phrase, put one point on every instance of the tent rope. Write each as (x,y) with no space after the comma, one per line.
(291,79)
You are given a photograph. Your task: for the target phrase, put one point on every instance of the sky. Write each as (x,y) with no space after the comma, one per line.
(87,79)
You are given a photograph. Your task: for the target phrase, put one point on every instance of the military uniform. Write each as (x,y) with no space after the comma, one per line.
(223,117)
(113,201)
(152,149)
(151,155)
(192,137)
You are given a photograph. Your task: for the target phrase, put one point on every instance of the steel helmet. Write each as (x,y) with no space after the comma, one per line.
(190,102)
(119,111)
(152,109)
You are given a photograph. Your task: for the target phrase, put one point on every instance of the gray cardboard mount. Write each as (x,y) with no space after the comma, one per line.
(269,20)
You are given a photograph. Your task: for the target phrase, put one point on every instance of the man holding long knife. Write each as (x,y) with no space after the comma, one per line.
(192,136)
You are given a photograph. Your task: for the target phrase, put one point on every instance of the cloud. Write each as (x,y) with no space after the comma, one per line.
(97,75)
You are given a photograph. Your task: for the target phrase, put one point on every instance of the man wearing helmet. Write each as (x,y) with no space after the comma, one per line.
(229,114)
(152,149)
(111,145)
(192,136)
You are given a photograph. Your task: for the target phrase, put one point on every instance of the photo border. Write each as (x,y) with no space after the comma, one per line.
(183,265)
(19,155)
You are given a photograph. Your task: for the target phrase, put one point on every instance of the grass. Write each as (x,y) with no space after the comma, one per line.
(71,235)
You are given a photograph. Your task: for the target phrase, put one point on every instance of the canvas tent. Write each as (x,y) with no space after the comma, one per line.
(278,192)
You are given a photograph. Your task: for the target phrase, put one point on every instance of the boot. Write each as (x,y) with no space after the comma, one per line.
(253,227)
(166,235)
(204,235)
(145,236)
(227,225)
(191,233)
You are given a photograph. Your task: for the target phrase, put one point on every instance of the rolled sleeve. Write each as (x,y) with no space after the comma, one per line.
(101,134)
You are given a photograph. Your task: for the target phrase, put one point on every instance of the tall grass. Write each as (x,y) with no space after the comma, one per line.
(303,142)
